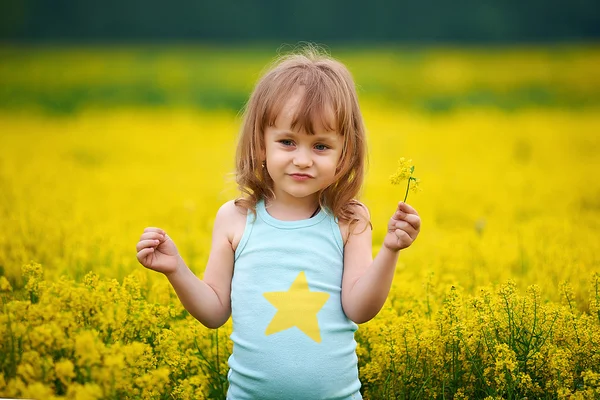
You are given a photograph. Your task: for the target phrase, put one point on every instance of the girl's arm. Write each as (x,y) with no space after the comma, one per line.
(366,282)
(208,300)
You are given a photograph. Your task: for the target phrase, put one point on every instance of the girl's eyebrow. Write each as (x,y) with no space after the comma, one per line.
(329,136)
(284,132)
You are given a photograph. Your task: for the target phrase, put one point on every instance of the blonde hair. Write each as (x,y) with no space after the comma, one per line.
(328,87)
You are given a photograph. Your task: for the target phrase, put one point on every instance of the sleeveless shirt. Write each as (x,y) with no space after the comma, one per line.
(291,338)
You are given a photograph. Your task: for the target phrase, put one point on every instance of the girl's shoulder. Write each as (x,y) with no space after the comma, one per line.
(359,221)
(231,221)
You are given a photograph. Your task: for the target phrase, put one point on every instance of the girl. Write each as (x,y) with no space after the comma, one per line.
(291,261)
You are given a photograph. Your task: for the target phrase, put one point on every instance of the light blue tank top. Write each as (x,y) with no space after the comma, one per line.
(291,338)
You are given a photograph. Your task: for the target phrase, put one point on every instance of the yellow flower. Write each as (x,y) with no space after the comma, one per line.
(35,285)
(38,390)
(88,391)
(65,371)
(87,346)
(505,366)
(5,285)
(403,172)
(591,379)
(414,186)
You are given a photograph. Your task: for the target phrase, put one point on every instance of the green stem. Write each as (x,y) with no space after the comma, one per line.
(407,187)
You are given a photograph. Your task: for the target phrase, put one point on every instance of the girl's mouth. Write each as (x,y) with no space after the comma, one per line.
(300,177)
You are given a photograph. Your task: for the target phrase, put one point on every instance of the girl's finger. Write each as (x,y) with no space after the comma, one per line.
(406,227)
(403,236)
(153,229)
(399,214)
(403,225)
(142,244)
(144,253)
(413,220)
(407,208)
(152,235)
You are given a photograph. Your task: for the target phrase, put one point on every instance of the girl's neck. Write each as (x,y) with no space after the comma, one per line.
(292,211)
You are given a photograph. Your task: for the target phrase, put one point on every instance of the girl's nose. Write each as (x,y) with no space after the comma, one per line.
(302,159)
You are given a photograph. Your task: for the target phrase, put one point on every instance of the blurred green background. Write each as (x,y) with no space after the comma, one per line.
(62,79)
(314,20)
(61,56)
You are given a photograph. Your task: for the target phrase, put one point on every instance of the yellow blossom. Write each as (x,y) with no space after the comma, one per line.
(505,366)
(64,371)
(88,391)
(38,390)
(403,172)
(5,285)
(87,348)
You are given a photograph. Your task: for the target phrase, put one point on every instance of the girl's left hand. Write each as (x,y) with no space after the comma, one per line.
(403,228)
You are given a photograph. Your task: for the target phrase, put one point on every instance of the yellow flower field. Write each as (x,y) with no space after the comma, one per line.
(498,298)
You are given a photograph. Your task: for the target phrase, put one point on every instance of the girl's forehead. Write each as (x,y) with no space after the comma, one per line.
(292,106)
(296,113)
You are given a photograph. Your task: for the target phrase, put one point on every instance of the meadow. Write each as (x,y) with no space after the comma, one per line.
(498,298)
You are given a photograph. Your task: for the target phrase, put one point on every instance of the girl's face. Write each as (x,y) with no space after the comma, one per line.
(300,164)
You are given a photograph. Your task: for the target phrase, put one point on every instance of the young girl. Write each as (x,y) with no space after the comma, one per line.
(291,261)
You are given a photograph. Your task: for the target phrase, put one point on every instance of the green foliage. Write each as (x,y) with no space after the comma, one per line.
(64,81)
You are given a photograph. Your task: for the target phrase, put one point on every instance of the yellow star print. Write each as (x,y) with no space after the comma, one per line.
(297,307)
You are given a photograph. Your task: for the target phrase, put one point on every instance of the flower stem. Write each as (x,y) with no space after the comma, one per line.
(407,187)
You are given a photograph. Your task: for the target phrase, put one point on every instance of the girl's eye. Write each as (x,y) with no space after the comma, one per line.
(321,147)
(286,142)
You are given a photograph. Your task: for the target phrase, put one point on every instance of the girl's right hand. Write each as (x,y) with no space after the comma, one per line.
(156,251)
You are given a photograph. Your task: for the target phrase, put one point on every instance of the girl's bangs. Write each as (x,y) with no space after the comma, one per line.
(316,110)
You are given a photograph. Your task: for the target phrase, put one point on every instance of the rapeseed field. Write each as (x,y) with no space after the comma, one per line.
(499,297)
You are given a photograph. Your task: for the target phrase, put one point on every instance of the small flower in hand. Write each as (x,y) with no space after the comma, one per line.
(404,172)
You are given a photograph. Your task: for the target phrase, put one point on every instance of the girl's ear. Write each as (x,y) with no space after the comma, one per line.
(262,156)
